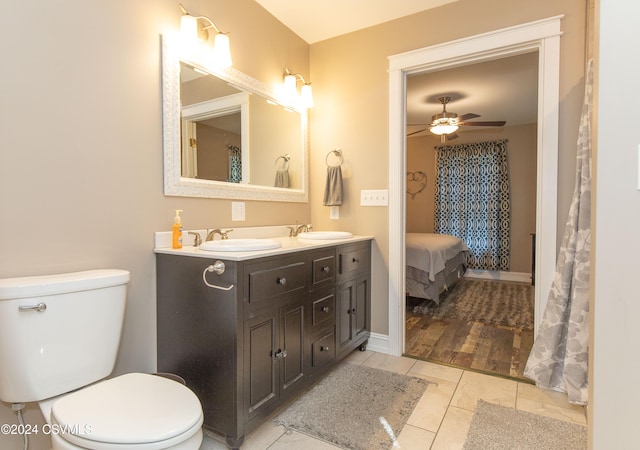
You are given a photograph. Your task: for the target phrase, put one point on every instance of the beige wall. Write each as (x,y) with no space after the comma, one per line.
(85,190)
(521,151)
(349,75)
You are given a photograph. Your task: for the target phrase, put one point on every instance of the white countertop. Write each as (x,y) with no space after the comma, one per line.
(289,245)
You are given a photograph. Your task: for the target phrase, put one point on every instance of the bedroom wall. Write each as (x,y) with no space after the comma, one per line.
(521,154)
(351,91)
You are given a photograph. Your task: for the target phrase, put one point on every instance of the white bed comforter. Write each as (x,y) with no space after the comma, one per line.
(429,252)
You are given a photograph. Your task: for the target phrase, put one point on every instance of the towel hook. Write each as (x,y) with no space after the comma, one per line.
(338,153)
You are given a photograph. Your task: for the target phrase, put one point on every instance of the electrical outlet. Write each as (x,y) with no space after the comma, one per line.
(378,197)
(237,211)
(334,212)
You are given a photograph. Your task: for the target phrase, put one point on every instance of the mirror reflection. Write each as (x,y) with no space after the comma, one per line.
(233,136)
(226,135)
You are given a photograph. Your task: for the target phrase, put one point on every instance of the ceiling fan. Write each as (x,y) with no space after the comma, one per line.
(446,123)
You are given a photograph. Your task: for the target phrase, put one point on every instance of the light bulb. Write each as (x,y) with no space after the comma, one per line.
(221,50)
(306,96)
(189,31)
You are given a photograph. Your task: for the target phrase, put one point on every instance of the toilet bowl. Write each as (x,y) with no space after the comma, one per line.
(59,336)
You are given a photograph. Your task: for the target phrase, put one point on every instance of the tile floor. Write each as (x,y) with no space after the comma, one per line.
(441,418)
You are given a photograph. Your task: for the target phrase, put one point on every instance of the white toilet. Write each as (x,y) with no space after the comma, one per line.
(59,336)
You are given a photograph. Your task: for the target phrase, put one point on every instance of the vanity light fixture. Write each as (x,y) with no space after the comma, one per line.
(291,91)
(194,29)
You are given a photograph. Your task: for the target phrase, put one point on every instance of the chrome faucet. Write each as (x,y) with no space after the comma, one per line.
(197,240)
(223,234)
(293,231)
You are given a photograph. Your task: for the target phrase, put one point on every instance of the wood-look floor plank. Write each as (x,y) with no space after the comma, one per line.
(471,345)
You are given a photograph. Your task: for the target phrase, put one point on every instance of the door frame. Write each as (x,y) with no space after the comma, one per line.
(542,36)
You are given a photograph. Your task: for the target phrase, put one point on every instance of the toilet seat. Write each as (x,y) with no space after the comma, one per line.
(132,411)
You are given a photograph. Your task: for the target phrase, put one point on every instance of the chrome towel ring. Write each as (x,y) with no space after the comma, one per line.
(338,153)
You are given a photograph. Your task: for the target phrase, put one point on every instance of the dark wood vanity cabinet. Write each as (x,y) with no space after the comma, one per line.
(286,321)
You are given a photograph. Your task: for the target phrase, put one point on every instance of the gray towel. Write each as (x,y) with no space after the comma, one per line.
(282,179)
(333,188)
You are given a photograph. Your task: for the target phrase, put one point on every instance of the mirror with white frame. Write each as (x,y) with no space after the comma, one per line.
(226,135)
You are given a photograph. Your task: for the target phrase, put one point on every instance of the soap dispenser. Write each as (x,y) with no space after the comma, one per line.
(176,241)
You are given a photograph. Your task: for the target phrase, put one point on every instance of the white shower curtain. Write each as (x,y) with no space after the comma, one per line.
(559,357)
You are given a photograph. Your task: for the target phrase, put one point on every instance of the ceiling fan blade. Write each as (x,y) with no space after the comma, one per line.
(467,116)
(497,123)
(416,132)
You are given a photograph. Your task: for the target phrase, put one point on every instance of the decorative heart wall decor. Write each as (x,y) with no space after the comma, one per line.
(416,182)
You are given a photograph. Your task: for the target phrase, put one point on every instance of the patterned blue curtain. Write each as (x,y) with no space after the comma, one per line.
(235,164)
(473,201)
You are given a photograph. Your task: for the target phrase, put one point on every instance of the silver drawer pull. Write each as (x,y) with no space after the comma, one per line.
(325,269)
(39,307)
(324,348)
(217,267)
(281,281)
(325,309)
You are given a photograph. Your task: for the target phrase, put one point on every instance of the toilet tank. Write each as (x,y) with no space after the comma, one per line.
(59,332)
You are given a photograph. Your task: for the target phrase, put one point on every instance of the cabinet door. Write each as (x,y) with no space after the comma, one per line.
(345,296)
(260,377)
(291,358)
(362,314)
(354,315)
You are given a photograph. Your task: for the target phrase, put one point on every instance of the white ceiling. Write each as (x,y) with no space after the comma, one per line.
(504,89)
(317,20)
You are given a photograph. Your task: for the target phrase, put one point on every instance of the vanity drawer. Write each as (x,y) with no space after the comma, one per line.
(323,350)
(323,308)
(324,269)
(273,281)
(353,260)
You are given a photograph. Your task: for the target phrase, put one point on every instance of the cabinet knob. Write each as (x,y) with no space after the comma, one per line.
(324,348)
(281,281)
(325,309)
(356,260)
(281,354)
(352,311)
(325,269)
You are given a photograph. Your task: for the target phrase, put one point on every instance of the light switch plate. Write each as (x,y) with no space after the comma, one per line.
(379,197)
(334,212)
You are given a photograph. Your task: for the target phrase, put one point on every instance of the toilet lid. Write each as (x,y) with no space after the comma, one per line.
(130,409)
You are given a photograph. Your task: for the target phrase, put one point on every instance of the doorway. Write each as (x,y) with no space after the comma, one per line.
(542,36)
(484,322)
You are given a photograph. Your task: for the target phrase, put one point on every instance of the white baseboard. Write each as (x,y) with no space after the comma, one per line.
(497,275)
(378,343)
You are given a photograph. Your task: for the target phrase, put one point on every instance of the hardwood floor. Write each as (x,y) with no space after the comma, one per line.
(497,350)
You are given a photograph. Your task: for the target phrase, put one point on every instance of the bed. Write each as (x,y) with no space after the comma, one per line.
(435,262)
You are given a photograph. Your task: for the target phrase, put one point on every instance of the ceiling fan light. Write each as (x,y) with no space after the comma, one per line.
(441,129)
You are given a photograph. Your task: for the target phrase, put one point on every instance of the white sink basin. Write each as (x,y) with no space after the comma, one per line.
(322,235)
(239,245)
